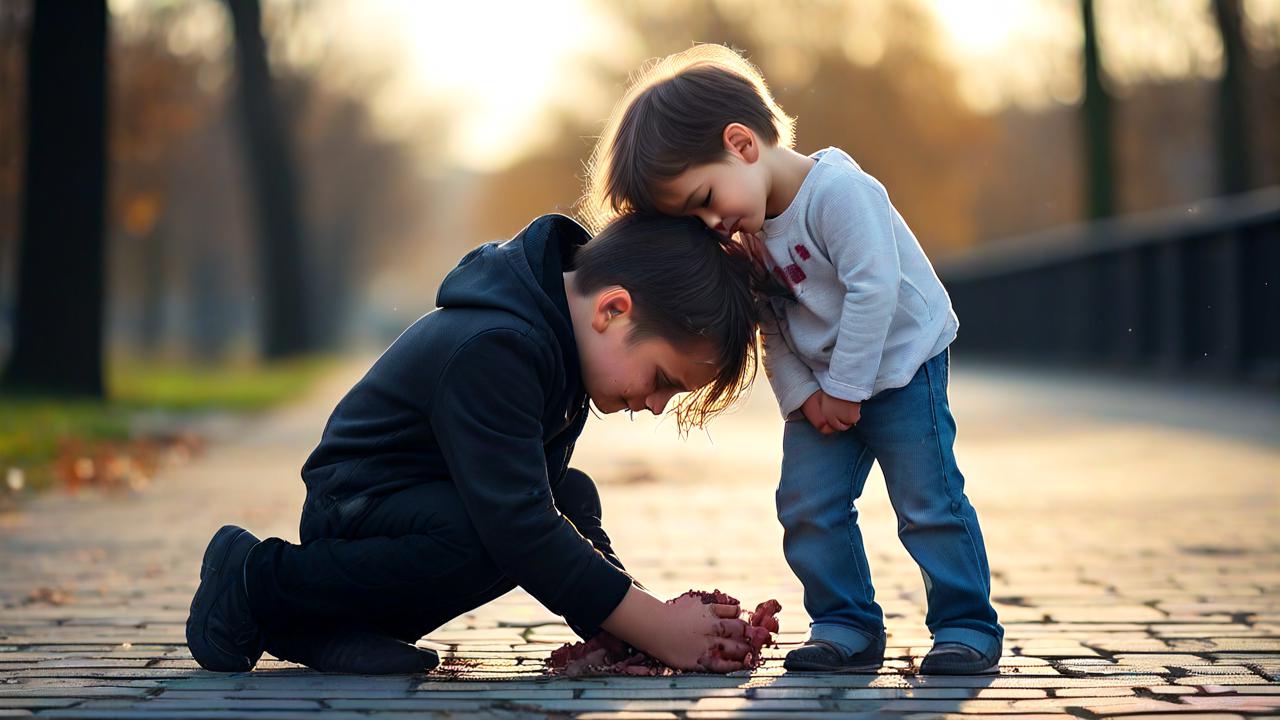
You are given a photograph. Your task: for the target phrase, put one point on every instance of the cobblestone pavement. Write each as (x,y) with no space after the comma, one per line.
(1134,536)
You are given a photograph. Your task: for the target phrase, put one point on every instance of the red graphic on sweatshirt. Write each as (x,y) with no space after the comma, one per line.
(796,275)
(803,252)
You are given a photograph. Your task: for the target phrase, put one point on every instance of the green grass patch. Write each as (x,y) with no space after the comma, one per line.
(32,429)
(229,388)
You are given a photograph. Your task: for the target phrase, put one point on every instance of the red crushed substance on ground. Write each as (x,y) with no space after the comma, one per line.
(454,667)
(605,654)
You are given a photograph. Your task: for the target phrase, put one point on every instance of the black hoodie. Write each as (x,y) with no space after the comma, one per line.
(486,393)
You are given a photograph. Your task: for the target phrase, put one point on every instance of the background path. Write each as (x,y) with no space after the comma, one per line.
(1133,536)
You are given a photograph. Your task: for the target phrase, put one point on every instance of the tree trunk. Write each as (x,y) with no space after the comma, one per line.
(274,187)
(1100,173)
(58,327)
(1231,126)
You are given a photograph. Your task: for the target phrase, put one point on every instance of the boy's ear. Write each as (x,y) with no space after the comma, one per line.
(740,141)
(612,305)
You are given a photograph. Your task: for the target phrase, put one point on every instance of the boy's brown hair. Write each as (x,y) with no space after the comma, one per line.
(672,118)
(690,286)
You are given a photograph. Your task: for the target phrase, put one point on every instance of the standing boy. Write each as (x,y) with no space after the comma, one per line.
(857,355)
(441,480)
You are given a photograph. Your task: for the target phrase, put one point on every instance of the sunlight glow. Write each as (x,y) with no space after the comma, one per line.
(984,26)
(1012,52)
(502,69)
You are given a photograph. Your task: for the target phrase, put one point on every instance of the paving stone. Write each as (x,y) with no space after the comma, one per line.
(1107,707)
(1055,649)
(1122,691)
(1187,716)
(627,715)
(177,706)
(79,692)
(1240,679)
(609,693)
(1176,689)
(36,702)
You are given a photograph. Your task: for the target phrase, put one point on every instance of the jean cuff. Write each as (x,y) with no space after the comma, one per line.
(985,643)
(850,640)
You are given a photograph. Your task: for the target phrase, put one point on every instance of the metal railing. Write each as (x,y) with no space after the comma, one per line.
(1188,291)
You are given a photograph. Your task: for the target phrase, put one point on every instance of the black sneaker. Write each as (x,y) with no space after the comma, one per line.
(953,658)
(823,656)
(221,632)
(352,650)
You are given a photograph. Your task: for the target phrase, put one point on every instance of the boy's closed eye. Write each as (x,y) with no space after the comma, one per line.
(706,202)
(662,382)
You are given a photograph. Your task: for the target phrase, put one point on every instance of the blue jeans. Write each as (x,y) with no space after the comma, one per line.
(910,431)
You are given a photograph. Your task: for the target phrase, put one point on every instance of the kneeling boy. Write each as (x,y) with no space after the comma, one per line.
(442,482)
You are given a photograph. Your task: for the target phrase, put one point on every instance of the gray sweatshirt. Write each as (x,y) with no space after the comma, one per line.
(869,309)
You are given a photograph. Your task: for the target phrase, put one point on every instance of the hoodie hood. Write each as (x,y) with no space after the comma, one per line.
(523,276)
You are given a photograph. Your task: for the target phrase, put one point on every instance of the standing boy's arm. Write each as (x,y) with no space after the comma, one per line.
(487,416)
(791,379)
(855,221)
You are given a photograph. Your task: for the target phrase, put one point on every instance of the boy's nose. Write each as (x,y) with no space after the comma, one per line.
(658,402)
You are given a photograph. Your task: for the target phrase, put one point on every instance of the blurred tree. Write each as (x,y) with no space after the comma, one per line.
(274,186)
(15,21)
(1100,179)
(157,104)
(1232,125)
(58,331)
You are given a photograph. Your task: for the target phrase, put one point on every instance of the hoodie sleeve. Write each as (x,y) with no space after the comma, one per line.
(579,500)
(486,415)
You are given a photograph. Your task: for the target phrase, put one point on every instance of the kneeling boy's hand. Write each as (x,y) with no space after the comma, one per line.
(705,637)
(684,634)
(840,414)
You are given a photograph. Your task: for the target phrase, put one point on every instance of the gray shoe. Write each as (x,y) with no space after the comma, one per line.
(221,632)
(823,656)
(952,658)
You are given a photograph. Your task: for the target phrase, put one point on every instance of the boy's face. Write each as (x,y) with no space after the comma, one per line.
(623,375)
(728,196)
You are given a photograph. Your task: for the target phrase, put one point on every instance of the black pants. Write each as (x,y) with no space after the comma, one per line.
(402,564)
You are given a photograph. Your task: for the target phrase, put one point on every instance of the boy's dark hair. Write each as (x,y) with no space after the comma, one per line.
(673,118)
(689,285)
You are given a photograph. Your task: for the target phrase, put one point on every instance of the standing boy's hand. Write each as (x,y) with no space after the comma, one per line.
(840,414)
(812,409)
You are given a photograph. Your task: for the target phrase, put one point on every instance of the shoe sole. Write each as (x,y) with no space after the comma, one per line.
(869,668)
(206,652)
(989,670)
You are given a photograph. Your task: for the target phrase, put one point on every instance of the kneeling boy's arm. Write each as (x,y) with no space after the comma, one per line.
(578,498)
(486,415)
